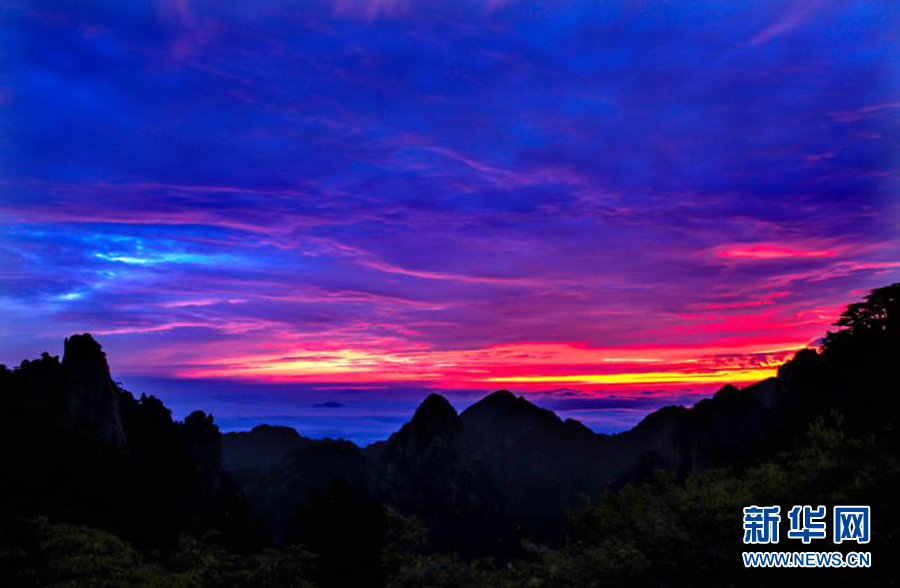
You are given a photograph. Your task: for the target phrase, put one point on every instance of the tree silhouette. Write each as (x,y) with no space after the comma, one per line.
(875,320)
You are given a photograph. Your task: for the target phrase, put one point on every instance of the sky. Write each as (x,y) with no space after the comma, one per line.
(316,213)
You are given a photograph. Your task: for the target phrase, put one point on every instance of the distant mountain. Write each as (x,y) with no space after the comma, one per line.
(503,465)
(262,448)
(539,463)
(430,468)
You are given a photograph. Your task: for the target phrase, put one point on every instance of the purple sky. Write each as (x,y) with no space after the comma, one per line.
(315,213)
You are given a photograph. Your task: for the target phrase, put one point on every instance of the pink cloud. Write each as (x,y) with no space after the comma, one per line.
(771,250)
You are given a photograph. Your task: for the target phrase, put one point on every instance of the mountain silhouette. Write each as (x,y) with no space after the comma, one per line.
(539,463)
(76,447)
(263,447)
(428,465)
(504,465)
(429,468)
(91,397)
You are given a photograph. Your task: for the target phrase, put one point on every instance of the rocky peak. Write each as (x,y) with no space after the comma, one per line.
(91,397)
(434,414)
(429,469)
(539,463)
(434,428)
(500,396)
(499,402)
(83,353)
(503,411)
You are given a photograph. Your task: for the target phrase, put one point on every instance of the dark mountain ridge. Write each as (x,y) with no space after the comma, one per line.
(76,447)
(430,468)
(504,465)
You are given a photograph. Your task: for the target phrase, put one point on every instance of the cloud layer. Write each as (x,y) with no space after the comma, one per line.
(616,200)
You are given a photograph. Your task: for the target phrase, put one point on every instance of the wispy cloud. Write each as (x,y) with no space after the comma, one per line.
(797,14)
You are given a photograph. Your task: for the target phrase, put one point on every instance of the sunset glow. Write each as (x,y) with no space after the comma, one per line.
(320,212)
(521,364)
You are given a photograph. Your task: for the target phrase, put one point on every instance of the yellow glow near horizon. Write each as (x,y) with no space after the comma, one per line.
(744,375)
(523,364)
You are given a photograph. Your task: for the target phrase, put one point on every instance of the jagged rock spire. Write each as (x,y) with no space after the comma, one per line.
(91,397)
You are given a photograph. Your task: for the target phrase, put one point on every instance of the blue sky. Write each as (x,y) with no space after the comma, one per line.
(619,201)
